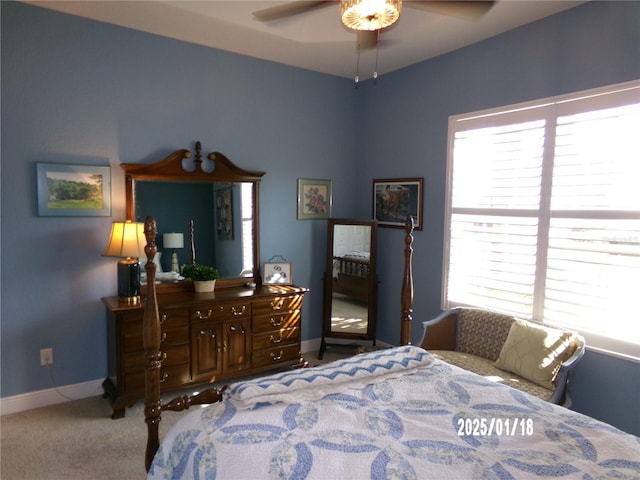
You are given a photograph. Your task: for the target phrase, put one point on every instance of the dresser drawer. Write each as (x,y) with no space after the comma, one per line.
(170,335)
(170,377)
(174,329)
(276,338)
(171,317)
(274,356)
(277,304)
(268,323)
(221,311)
(134,362)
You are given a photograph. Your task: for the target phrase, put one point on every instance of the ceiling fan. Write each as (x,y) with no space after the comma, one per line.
(369,17)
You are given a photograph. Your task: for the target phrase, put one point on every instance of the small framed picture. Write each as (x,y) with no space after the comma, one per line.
(394,200)
(73,190)
(224,213)
(277,273)
(314,199)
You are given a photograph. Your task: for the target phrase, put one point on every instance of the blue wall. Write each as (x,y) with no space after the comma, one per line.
(79,91)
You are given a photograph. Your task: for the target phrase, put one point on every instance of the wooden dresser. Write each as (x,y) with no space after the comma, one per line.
(206,337)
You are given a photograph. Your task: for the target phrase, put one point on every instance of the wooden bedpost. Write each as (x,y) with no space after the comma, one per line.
(151,344)
(406,295)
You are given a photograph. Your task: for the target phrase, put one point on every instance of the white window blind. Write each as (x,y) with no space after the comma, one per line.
(543,214)
(246,200)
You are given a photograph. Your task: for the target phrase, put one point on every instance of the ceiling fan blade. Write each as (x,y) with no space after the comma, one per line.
(367,39)
(465,9)
(288,9)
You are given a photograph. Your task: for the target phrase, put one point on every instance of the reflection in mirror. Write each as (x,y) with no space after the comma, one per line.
(350,278)
(222,222)
(350,282)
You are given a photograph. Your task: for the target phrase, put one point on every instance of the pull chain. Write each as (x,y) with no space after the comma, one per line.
(375,71)
(357,78)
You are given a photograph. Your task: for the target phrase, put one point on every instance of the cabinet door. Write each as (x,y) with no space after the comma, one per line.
(236,345)
(206,351)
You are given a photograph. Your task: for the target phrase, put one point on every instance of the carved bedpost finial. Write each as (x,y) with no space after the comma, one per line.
(406,296)
(150,249)
(192,243)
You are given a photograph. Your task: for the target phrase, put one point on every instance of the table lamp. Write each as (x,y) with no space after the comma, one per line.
(173,241)
(127,241)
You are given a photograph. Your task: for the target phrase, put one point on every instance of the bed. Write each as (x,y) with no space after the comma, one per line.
(390,413)
(351,275)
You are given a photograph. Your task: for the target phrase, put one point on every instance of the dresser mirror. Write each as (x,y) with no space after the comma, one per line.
(210,201)
(350,284)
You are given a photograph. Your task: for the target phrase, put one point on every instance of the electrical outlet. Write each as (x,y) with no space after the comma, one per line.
(46,357)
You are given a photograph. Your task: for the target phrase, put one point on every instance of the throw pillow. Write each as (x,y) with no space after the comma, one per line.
(535,352)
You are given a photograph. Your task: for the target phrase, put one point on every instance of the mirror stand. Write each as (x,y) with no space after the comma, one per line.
(350,285)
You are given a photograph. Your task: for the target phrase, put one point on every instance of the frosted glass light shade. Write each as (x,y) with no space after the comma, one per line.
(369,14)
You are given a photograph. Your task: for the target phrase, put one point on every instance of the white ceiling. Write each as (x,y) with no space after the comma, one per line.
(315,40)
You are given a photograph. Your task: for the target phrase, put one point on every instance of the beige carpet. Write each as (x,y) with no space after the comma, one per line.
(348,315)
(78,440)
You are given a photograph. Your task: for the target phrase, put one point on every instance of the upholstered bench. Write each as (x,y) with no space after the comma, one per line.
(525,355)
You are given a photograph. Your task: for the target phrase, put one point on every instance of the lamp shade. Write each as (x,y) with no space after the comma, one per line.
(173,240)
(369,14)
(127,240)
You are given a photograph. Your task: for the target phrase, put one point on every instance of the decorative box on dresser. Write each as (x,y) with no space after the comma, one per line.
(206,337)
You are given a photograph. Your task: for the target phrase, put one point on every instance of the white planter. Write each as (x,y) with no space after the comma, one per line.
(207,286)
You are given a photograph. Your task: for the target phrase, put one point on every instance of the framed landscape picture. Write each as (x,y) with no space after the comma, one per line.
(395,199)
(73,190)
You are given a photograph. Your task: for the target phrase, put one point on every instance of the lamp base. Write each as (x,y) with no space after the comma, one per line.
(175,266)
(129,280)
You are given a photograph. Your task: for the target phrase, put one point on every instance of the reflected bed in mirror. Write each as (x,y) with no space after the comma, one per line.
(350,291)
(210,201)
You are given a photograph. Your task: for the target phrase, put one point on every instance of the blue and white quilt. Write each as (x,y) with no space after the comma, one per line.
(390,414)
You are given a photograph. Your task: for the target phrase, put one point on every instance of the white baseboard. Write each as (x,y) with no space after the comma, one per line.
(51,396)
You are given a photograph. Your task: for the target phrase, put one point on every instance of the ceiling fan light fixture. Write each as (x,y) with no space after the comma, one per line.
(369,14)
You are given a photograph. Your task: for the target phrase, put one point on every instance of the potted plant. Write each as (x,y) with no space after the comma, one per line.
(203,276)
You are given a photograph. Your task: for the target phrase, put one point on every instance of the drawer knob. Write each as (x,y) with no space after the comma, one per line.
(164,355)
(276,322)
(274,339)
(165,375)
(163,337)
(275,357)
(202,316)
(240,312)
(163,318)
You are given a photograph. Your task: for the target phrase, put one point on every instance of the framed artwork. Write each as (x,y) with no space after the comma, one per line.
(224,213)
(73,190)
(314,199)
(395,199)
(277,273)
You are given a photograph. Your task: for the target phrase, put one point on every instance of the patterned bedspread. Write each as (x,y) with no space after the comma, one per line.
(396,413)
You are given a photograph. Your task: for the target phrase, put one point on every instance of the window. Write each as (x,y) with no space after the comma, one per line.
(246,200)
(543,214)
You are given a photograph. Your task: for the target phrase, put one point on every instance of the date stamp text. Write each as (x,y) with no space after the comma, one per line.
(487,427)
